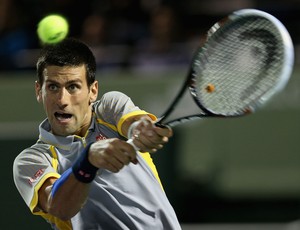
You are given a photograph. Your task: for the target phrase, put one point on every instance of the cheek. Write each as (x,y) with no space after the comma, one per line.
(47,107)
(82,105)
(84,99)
(47,102)
(46,98)
(81,101)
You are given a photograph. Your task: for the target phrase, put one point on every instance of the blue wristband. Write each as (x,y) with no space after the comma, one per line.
(82,169)
(59,182)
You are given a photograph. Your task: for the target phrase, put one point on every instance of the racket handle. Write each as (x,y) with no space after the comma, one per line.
(129,135)
(160,125)
(130,141)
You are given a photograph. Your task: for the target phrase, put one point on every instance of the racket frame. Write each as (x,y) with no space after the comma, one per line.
(190,81)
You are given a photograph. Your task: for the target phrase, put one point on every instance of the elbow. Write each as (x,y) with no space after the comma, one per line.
(65,218)
(62,213)
(62,216)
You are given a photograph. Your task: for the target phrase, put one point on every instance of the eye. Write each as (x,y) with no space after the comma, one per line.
(52,87)
(73,87)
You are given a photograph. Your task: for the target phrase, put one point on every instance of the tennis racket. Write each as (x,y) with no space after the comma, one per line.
(247,58)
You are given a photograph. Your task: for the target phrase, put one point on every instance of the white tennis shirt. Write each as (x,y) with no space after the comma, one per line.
(131,199)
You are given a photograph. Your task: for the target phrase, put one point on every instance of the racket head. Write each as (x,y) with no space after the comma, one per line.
(247,58)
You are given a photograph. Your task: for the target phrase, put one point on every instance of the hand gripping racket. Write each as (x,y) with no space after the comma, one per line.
(247,58)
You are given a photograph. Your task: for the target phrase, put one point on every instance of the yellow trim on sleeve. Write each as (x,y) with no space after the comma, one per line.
(34,200)
(134,113)
(113,127)
(55,158)
(59,224)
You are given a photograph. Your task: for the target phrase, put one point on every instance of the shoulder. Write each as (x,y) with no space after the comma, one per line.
(112,100)
(35,159)
(36,153)
(114,96)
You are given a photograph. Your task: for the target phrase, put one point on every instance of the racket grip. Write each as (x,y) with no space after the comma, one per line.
(130,141)
(161,125)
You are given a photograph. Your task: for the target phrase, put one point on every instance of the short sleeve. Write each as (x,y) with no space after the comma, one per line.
(31,168)
(115,107)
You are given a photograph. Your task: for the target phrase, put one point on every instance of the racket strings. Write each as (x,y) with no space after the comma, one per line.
(240,62)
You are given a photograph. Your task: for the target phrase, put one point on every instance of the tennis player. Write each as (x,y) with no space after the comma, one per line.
(82,173)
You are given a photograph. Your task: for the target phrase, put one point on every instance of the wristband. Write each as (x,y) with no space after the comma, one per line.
(82,169)
(59,182)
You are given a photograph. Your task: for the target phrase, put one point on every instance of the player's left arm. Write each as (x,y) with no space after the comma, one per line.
(117,108)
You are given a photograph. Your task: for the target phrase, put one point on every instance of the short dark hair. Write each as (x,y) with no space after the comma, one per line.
(69,52)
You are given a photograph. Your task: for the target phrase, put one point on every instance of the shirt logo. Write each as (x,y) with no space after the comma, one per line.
(36,176)
(100,137)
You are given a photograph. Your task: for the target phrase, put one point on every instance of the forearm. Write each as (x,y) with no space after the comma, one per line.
(68,199)
(64,197)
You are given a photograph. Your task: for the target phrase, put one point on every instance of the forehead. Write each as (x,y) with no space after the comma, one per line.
(65,73)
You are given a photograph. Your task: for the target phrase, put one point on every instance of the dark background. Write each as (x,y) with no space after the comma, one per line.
(243,170)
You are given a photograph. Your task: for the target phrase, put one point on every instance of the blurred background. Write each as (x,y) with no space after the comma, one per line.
(219,174)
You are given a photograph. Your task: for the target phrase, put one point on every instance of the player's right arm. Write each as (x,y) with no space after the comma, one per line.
(65,196)
(67,201)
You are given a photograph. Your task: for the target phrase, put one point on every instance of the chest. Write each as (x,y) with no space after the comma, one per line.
(67,155)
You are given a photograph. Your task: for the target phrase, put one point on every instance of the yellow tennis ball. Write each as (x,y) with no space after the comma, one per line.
(52,29)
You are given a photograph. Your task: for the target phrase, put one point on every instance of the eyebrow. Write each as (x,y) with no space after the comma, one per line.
(68,82)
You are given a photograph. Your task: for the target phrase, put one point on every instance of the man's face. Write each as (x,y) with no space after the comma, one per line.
(67,99)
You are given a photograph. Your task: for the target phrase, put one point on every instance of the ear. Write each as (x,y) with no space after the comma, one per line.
(38,92)
(93,92)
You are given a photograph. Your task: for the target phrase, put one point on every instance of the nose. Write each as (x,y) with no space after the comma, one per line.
(63,98)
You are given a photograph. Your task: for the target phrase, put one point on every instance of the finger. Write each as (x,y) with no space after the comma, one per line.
(111,165)
(154,140)
(130,152)
(115,162)
(156,135)
(124,157)
(148,140)
(112,168)
(124,152)
(147,146)
(166,131)
(148,137)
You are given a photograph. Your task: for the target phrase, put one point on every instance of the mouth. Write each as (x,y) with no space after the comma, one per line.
(63,117)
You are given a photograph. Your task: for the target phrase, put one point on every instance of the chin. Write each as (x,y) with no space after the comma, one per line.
(63,132)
